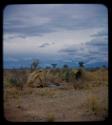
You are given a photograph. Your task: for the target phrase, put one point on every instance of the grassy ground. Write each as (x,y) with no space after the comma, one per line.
(86,103)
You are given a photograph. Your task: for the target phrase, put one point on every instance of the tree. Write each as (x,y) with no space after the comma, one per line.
(54,65)
(65,66)
(81,64)
(103,66)
(34,64)
(47,67)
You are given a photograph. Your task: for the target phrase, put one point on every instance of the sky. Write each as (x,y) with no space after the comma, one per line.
(55,33)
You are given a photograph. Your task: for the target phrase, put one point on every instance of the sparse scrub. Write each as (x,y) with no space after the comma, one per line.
(15,78)
(66,76)
(84,85)
(13,81)
(87,102)
(46,92)
(53,78)
(16,82)
(12,92)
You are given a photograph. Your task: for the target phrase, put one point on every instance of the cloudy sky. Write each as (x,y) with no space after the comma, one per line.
(55,33)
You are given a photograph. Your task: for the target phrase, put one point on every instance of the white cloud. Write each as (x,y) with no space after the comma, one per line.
(60,40)
(44,30)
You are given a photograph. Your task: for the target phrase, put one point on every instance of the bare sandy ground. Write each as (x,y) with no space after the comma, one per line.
(54,104)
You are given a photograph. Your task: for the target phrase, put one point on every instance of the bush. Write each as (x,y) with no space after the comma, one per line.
(13,81)
(16,82)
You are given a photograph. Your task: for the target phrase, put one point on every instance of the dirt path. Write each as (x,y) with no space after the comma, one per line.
(48,104)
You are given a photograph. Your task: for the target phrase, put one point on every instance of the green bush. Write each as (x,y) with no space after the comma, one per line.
(67,76)
(13,81)
(16,82)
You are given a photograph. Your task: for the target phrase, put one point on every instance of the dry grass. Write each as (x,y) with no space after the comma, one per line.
(98,75)
(96,106)
(12,92)
(87,102)
(57,104)
(93,104)
(91,79)
(50,117)
(46,92)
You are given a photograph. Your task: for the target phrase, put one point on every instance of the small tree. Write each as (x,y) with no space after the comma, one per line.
(81,64)
(47,67)
(65,66)
(80,73)
(54,65)
(103,66)
(34,64)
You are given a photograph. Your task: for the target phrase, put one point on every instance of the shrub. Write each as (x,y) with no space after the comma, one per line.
(13,81)
(67,76)
(17,82)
